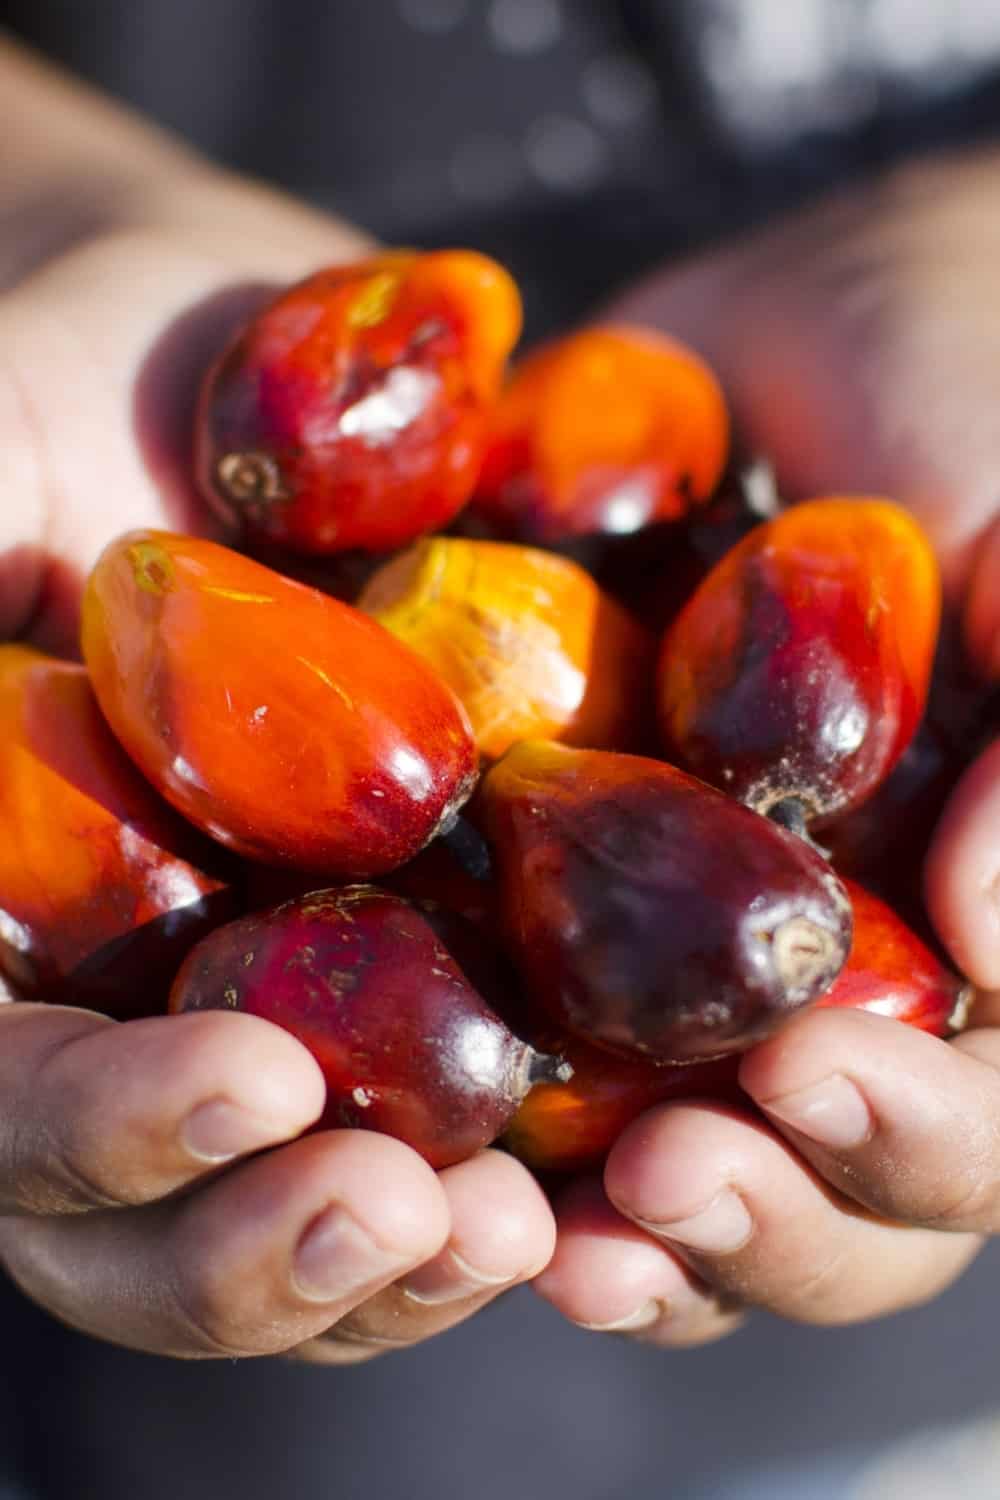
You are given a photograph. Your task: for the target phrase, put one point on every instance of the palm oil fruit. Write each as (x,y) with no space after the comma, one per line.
(651,914)
(572,1126)
(526,640)
(563,1127)
(352,411)
(287,725)
(103,889)
(389,1000)
(798,672)
(606,430)
(891,972)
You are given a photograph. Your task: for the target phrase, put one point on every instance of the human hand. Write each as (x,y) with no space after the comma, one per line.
(134,1203)
(860,345)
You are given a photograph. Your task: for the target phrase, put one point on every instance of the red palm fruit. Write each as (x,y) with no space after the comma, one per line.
(526,640)
(571,1126)
(391,1000)
(103,889)
(606,430)
(287,725)
(798,671)
(891,972)
(568,1127)
(648,912)
(352,411)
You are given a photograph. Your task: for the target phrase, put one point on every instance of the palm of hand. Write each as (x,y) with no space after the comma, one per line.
(854,362)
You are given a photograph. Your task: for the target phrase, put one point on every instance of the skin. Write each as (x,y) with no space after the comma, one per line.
(858,345)
(113,1214)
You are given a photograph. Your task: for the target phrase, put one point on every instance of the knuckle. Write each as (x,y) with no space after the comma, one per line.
(818,1296)
(210,1325)
(65,1170)
(72,1182)
(968,1203)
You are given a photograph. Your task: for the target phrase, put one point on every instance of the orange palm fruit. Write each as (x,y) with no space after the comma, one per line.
(287,725)
(103,889)
(527,641)
(352,411)
(798,671)
(570,1126)
(606,430)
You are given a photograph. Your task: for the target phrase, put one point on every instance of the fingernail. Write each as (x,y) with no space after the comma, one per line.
(336,1258)
(724,1225)
(831,1113)
(448,1278)
(644,1317)
(218,1131)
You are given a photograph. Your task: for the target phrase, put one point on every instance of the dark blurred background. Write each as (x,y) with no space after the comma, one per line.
(578,140)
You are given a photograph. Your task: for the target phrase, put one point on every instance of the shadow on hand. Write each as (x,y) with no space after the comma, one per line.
(40,592)
(166,397)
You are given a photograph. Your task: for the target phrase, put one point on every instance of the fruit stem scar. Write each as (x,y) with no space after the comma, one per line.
(250,477)
(152,567)
(802,950)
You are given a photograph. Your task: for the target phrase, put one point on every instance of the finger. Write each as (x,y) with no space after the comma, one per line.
(903,1123)
(755,1222)
(128,323)
(962,874)
(608,1276)
(97,1114)
(502,1233)
(261,1260)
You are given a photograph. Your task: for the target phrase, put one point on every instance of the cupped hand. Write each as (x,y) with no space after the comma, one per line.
(154,1190)
(860,346)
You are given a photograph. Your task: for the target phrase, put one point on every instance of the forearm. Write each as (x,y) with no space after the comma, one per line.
(77,164)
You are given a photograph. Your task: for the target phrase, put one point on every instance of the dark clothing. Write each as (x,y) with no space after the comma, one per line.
(580,141)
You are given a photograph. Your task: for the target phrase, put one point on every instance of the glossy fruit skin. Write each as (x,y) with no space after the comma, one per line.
(567,1127)
(650,914)
(352,411)
(606,430)
(800,667)
(571,1126)
(103,889)
(287,725)
(891,972)
(526,640)
(373,987)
